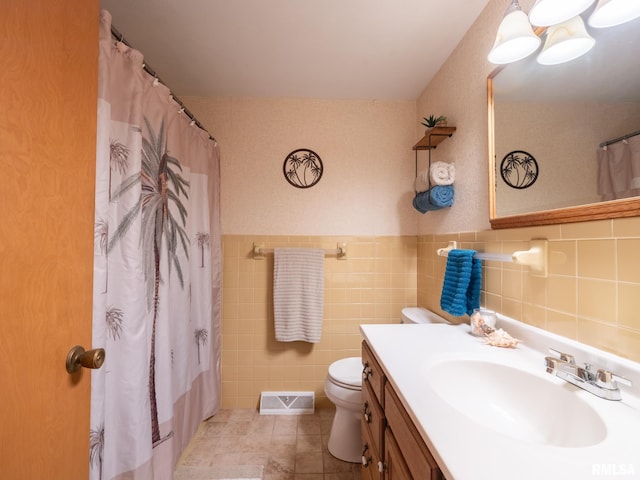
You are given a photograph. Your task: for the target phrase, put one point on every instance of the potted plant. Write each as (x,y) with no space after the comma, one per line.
(433,121)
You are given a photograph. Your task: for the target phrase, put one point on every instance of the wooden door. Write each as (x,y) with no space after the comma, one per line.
(48,98)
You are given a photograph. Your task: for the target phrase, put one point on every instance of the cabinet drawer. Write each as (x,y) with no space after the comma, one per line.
(419,460)
(372,373)
(373,416)
(370,456)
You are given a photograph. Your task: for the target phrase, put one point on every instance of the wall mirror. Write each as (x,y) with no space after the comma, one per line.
(561,114)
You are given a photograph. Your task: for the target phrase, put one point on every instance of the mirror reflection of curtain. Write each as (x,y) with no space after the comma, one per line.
(157,273)
(619,169)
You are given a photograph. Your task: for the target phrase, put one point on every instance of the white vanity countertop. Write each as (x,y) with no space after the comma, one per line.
(467,449)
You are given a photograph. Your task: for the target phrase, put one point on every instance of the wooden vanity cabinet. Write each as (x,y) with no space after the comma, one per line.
(388,433)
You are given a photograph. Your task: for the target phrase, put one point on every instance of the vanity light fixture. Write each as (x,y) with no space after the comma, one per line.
(551,12)
(609,13)
(565,42)
(515,39)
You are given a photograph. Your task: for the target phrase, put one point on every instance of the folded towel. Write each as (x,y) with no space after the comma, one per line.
(442,173)
(434,199)
(462,281)
(441,196)
(421,202)
(298,294)
(422,181)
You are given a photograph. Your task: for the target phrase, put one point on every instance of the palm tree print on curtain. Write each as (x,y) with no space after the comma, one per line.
(118,157)
(101,235)
(203,241)
(201,336)
(162,187)
(96,447)
(152,165)
(114,320)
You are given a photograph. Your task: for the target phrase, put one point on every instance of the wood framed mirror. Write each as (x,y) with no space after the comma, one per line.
(561,115)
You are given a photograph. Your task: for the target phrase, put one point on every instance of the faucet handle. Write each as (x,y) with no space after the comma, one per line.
(551,363)
(608,380)
(565,357)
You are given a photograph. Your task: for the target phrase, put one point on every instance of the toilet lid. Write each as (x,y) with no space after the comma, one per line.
(347,371)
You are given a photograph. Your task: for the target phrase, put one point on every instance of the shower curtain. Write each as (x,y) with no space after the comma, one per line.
(157,273)
(619,169)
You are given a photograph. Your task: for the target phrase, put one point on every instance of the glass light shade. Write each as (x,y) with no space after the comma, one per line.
(551,12)
(609,13)
(565,42)
(515,39)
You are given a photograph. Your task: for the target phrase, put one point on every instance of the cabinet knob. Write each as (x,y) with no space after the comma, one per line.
(366,460)
(366,413)
(366,371)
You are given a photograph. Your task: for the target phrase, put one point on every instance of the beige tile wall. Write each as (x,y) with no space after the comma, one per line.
(592,293)
(372,285)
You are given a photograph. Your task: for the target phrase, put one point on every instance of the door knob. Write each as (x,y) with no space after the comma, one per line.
(78,357)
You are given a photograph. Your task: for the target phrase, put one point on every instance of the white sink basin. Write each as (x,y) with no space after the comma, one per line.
(517,403)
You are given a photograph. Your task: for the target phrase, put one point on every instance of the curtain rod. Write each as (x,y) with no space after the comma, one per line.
(120,37)
(619,139)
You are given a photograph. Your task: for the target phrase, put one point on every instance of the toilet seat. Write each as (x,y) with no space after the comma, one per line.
(347,373)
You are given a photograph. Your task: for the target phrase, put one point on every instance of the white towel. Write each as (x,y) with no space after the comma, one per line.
(442,173)
(298,294)
(422,181)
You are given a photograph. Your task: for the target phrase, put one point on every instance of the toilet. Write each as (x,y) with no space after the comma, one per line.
(344,388)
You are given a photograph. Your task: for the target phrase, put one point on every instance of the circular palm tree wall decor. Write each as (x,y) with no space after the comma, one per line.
(519,169)
(302,168)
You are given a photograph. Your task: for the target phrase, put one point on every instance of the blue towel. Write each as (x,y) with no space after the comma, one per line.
(462,281)
(434,199)
(421,202)
(441,196)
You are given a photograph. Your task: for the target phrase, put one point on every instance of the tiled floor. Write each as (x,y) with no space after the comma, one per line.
(288,447)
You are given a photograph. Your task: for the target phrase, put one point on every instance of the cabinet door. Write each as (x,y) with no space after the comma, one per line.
(394,465)
(419,460)
(370,457)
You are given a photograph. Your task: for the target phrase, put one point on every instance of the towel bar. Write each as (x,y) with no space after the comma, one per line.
(340,251)
(535,258)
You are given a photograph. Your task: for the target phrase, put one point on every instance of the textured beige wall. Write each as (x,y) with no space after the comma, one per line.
(365,147)
(459,91)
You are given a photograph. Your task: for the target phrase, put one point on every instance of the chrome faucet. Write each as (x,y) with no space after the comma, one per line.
(601,383)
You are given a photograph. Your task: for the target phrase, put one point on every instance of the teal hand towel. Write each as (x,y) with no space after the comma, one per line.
(462,282)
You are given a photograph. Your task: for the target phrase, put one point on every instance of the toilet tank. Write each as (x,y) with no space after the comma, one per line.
(420,315)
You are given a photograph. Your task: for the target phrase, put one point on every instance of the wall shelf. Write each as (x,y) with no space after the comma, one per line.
(433,137)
